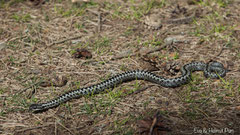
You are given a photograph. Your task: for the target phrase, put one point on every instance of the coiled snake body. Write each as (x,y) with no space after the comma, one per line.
(211,70)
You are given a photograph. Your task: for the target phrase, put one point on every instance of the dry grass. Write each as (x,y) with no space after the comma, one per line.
(37,43)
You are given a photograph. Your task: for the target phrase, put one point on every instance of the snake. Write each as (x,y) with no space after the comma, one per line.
(214,70)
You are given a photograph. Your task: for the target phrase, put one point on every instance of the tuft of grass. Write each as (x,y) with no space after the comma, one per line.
(211,26)
(117,10)
(79,26)
(193,86)
(6,4)
(228,85)
(176,56)
(192,114)
(102,44)
(223,3)
(212,29)
(21,18)
(84,5)
(129,31)
(154,42)
(103,103)
(74,11)
(209,3)
(136,12)
(119,126)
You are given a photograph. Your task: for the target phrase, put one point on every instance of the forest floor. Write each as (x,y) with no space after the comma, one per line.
(49,48)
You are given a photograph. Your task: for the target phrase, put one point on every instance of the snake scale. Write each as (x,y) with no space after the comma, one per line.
(210,70)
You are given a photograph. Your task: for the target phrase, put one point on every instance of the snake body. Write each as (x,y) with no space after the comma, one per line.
(211,70)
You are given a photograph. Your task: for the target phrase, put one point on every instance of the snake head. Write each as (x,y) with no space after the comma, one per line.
(35,108)
(216,64)
(215,70)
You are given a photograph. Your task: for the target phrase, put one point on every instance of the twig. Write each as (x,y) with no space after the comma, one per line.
(155,120)
(157,49)
(141,89)
(106,11)
(55,128)
(174,47)
(99,19)
(150,51)
(8,40)
(26,43)
(3,102)
(92,11)
(183,20)
(92,22)
(23,90)
(212,58)
(65,128)
(31,128)
(220,52)
(99,22)
(62,41)
(71,23)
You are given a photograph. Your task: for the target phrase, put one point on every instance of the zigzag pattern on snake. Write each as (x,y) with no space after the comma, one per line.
(211,70)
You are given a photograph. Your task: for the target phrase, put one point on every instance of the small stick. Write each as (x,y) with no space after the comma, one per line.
(99,22)
(31,128)
(141,89)
(155,120)
(150,51)
(16,38)
(92,11)
(23,90)
(62,41)
(65,128)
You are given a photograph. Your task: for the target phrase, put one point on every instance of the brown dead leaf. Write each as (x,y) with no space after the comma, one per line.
(82,53)
(193,2)
(154,126)
(74,1)
(237,27)
(172,55)
(238,108)
(227,97)
(57,82)
(37,2)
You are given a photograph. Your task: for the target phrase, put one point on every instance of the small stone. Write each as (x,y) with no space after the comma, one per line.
(153,21)
(2,45)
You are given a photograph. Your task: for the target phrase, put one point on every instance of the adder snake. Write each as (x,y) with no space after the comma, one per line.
(211,70)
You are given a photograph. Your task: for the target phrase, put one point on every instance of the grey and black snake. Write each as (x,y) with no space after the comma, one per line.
(211,70)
